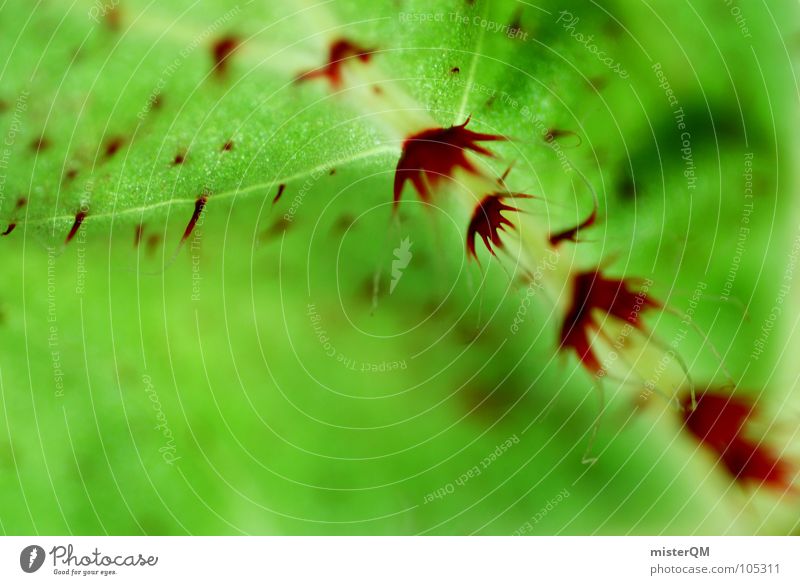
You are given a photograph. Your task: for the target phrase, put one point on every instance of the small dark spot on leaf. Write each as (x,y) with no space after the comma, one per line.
(598,83)
(156,101)
(277,228)
(41,143)
(343,223)
(221,51)
(70,174)
(179,159)
(455,70)
(281,188)
(228,145)
(332,172)
(152,243)
(488,401)
(113,146)
(515,30)
(613,28)
(79,217)
(627,187)
(199,205)
(3,106)
(113,17)
(21,202)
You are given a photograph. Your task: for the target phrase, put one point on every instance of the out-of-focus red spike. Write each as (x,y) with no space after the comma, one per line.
(281,188)
(594,292)
(571,234)
(76,225)
(554,134)
(341,51)
(720,423)
(199,205)
(21,202)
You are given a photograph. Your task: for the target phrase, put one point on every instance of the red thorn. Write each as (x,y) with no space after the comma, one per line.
(488,221)
(434,154)
(281,187)
(571,234)
(199,205)
(502,180)
(341,51)
(555,133)
(593,291)
(21,202)
(79,217)
(719,421)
